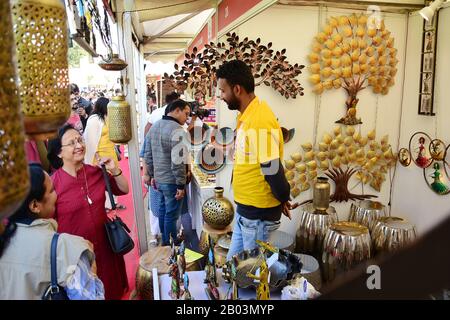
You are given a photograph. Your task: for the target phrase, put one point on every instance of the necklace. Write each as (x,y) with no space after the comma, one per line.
(87,188)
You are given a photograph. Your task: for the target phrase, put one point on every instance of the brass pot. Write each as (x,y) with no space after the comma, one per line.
(218,211)
(321,194)
(345,245)
(367,213)
(40,30)
(119,120)
(14,178)
(116,64)
(313,228)
(392,233)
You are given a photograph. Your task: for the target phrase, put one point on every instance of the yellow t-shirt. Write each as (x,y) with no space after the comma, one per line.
(259,139)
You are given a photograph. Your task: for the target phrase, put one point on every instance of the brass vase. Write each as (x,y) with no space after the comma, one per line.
(119,120)
(321,194)
(14,178)
(218,211)
(40,30)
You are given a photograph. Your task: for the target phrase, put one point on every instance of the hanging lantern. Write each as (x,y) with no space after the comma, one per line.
(14,179)
(119,119)
(116,64)
(40,32)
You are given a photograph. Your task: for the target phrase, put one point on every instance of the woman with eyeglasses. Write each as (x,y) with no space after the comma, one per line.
(80,208)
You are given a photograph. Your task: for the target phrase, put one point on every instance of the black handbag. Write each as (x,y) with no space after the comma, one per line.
(54,291)
(117,231)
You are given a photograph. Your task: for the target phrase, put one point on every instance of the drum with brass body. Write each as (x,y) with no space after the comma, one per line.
(312,229)
(367,213)
(345,245)
(154,258)
(392,233)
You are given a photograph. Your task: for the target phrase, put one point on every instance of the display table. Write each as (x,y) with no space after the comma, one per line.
(197,287)
(199,192)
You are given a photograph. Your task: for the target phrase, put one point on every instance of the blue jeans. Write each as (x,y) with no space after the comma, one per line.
(169,211)
(246,232)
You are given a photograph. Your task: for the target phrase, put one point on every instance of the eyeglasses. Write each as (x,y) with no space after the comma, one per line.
(74,142)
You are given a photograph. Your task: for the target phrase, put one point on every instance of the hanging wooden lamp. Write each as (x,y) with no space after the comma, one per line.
(14,178)
(40,30)
(119,119)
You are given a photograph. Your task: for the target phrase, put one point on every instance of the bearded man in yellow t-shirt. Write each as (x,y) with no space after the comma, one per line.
(261,191)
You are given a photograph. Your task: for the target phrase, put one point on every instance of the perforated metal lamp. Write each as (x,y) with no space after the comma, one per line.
(40,32)
(428,12)
(14,178)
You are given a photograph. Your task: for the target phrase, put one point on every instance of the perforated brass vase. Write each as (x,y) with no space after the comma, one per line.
(312,229)
(321,194)
(119,119)
(218,211)
(367,213)
(14,178)
(392,233)
(345,245)
(40,31)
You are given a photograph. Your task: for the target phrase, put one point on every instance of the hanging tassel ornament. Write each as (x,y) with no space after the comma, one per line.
(40,31)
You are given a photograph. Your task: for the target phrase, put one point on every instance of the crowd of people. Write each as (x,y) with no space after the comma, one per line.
(68,190)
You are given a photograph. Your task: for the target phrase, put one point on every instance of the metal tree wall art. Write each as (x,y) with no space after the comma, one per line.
(352,53)
(268,67)
(339,157)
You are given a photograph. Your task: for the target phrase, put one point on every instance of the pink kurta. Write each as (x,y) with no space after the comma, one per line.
(75,216)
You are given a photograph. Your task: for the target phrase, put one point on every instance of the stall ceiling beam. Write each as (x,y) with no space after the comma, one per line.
(398,6)
(156,46)
(171,27)
(157,9)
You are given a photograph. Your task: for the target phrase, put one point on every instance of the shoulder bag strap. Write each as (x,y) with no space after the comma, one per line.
(108,187)
(54,277)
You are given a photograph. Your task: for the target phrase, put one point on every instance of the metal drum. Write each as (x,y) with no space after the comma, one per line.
(345,245)
(392,233)
(154,258)
(312,229)
(367,213)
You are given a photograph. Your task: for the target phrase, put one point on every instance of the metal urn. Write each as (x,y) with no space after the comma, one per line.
(40,32)
(218,211)
(321,194)
(14,178)
(119,119)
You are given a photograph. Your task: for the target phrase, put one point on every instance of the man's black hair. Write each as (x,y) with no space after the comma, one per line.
(172,97)
(74,89)
(177,104)
(237,72)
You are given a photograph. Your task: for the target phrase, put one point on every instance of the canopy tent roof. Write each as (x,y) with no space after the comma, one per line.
(168,26)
